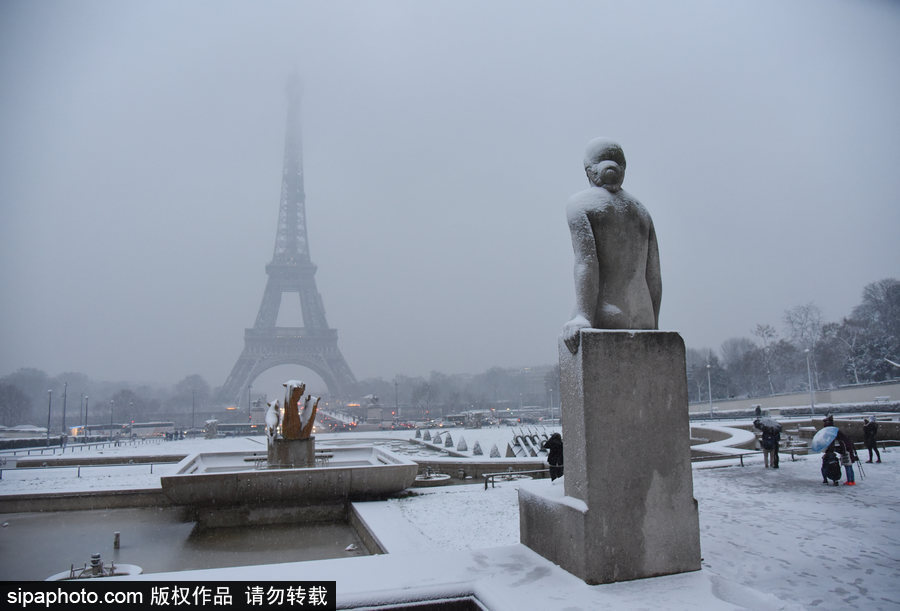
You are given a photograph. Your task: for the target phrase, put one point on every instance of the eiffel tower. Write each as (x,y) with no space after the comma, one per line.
(266,345)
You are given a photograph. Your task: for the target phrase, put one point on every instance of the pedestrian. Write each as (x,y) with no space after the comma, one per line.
(771,437)
(843,446)
(831,467)
(870,430)
(554,447)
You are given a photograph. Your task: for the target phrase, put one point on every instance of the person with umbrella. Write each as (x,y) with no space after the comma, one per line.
(771,436)
(832,438)
(823,441)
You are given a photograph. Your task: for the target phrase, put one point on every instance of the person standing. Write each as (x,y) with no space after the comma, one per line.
(771,436)
(554,447)
(870,430)
(844,447)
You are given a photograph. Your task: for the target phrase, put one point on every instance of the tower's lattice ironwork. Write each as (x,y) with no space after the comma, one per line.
(266,345)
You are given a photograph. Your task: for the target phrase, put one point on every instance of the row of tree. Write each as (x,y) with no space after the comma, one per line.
(24,396)
(862,347)
(440,394)
(28,395)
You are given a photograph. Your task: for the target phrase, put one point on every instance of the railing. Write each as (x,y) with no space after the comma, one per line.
(510,474)
(885,444)
(74,445)
(78,468)
(741,456)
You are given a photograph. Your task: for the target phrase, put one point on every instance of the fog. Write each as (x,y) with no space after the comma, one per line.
(141,153)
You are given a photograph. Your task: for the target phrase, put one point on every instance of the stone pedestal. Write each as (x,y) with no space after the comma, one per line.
(292,453)
(628,510)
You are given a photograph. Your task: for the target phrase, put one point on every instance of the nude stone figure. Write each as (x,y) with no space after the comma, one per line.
(617,277)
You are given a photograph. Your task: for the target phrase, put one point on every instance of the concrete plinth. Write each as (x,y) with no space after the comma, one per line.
(628,510)
(292,453)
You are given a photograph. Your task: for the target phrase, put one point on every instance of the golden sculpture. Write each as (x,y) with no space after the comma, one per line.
(297,422)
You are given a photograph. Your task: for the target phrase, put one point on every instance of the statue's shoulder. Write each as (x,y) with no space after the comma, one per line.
(590,201)
(631,204)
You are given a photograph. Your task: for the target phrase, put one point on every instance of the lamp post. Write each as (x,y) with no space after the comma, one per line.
(812,397)
(65,392)
(86,398)
(397,398)
(193,408)
(49,407)
(709,385)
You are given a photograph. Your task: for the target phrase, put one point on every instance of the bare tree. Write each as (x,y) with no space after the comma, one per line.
(845,337)
(804,323)
(881,305)
(735,349)
(878,318)
(766,334)
(15,406)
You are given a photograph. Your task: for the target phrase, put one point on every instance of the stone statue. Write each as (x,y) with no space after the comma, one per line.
(273,419)
(617,276)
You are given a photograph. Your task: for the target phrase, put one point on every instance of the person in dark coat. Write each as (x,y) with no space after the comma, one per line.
(870,430)
(831,467)
(771,436)
(844,447)
(554,447)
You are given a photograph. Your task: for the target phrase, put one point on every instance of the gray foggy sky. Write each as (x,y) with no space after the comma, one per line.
(141,149)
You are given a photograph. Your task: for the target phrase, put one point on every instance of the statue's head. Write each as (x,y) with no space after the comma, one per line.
(604,164)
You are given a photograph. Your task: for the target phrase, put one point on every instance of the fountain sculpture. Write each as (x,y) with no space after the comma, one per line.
(294,446)
(235,488)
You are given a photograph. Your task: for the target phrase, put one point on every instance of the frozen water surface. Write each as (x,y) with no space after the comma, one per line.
(36,545)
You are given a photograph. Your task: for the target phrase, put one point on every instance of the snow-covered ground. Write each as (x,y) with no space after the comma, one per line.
(779,532)
(769,538)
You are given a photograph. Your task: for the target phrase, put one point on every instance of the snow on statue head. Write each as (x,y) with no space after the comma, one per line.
(297,422)
(273,419)
(617,277)
(604,164)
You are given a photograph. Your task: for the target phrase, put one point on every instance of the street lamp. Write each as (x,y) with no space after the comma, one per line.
(397,398)
(812,397)
(65,392)
(709,385)
(49,406)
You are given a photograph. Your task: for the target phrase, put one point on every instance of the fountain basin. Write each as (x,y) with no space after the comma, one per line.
(223,479)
